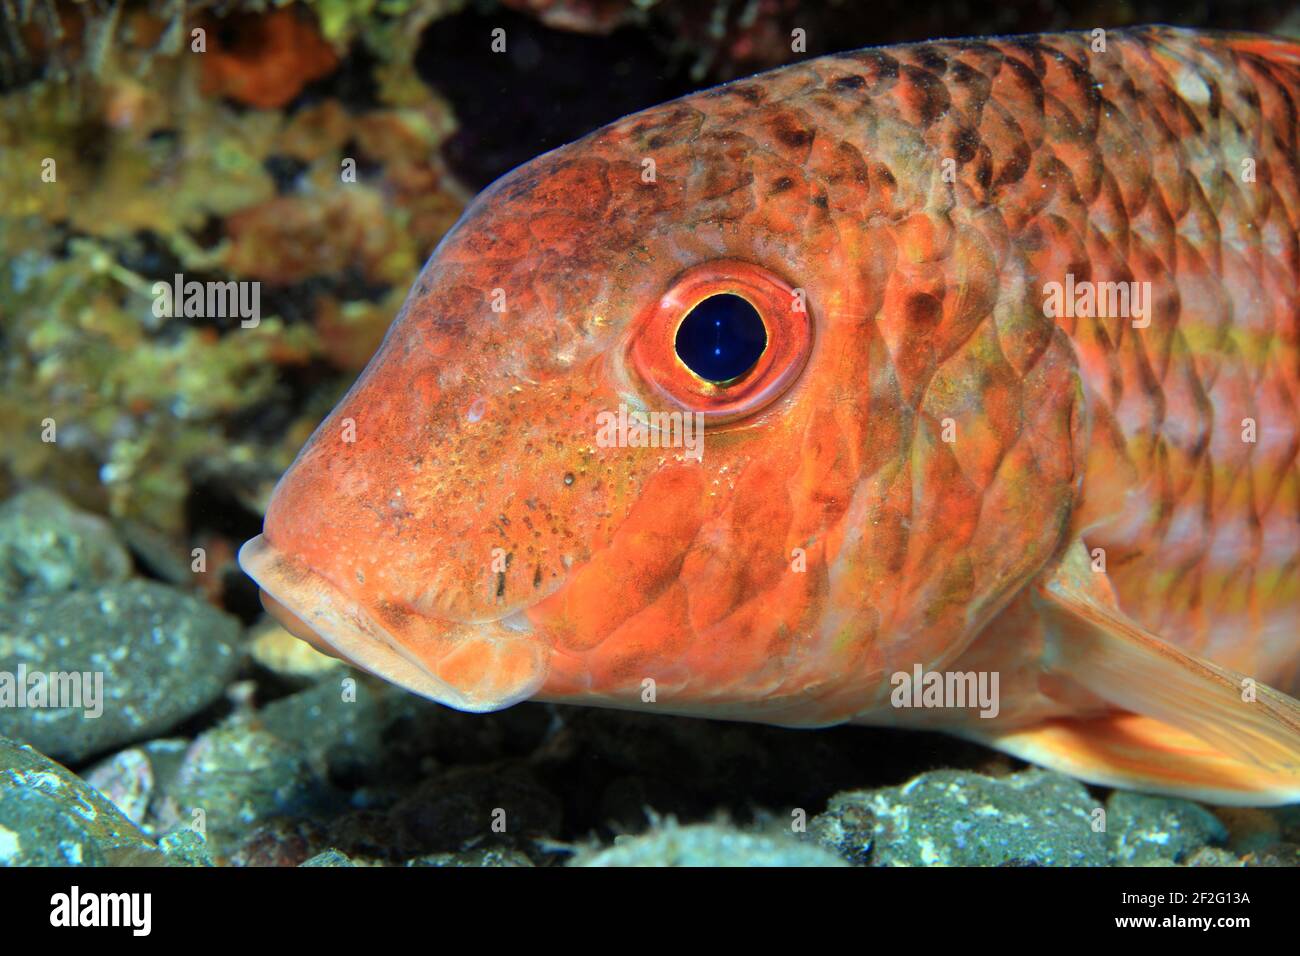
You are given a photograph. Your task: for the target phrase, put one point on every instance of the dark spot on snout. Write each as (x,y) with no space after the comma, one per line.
(781,185)
(501,575)
(393,614)
(847,84)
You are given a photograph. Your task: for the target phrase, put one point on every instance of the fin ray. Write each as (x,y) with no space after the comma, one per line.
(1136,752)
(1091,642)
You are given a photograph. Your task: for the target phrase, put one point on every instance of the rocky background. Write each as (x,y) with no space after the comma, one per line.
(223,740)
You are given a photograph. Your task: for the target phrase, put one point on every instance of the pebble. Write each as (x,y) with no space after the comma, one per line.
(49,547)
(959,818)
(707,844)
(1145,829)
(51,817)
(146,655)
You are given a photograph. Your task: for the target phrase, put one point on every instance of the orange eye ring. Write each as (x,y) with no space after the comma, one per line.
(786,319)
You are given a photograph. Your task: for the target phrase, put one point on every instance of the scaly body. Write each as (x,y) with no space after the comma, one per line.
(926,468)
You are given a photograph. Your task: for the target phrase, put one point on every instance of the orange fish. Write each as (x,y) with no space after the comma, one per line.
(952,385)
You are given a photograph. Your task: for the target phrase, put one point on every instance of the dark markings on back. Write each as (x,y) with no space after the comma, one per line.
(882,69)
(1182,110)
(927,94)
(1033,50)
(791,134)
(964,143)
(932,59)
(1029,80)
(1216,97)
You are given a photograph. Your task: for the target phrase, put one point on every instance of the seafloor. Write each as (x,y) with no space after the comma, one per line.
(223,740)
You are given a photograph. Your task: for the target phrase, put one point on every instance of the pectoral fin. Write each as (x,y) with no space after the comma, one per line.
(1189,727)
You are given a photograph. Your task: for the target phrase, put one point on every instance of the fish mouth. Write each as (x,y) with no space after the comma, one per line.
(476,667)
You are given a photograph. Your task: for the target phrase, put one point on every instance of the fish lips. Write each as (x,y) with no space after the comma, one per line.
(476,667)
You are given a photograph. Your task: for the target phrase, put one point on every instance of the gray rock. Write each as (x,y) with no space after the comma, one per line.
(457,809)
(329,858)
(480,856)
(166,755)
(127,779)
(1144,830)
(237,777)
(158,655)
(280,841)
(186,847)
(1281,854)
(847,827)
(1213,856)
(957,818)
(134,779)
(50,817)
(1251,828)
(1288,819)
(341,733)
(49,547)
(707,844)
(161,556)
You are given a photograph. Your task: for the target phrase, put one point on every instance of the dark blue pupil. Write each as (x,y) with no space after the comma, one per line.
(721,338)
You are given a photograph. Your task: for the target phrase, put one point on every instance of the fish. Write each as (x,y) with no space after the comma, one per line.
(848,393)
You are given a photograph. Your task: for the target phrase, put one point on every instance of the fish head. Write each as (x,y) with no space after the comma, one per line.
(531,493)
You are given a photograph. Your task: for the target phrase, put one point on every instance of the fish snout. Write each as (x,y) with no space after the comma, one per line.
(471,666)
(295,626)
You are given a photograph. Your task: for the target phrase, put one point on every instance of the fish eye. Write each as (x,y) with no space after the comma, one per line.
(726,338)
(721,338)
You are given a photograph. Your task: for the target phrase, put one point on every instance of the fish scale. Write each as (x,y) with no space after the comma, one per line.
(948,477)
(1136,159)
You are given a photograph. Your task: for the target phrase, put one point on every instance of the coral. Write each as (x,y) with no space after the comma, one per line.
(264,61)
(149,177)
(293,238)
